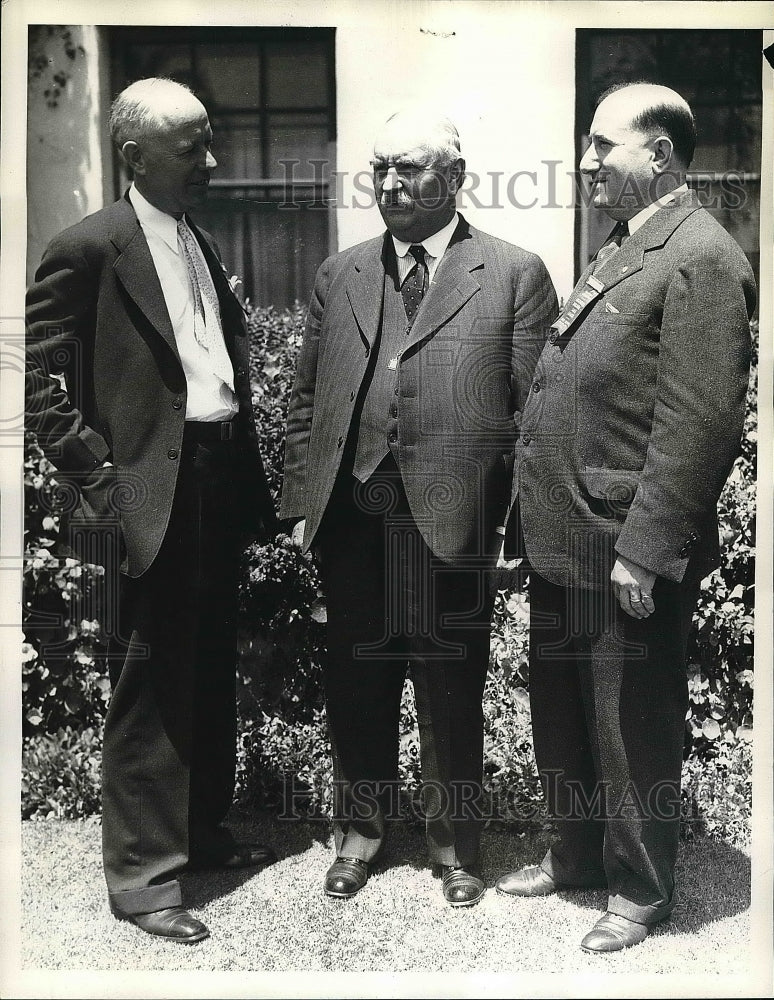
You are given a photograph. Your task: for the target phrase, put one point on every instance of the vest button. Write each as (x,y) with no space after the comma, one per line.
(172,453)
(177,403)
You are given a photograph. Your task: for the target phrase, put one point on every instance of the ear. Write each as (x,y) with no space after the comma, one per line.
(456,175)
(662,154)
(133,157)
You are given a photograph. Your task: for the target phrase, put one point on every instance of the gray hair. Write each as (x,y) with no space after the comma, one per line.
(443,139)
(133,114)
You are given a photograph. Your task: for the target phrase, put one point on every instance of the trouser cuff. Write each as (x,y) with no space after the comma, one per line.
(641,914)
(582,878)
(146,900)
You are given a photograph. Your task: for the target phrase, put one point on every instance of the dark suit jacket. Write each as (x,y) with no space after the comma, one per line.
(96,315)
(639,408)
(463,376)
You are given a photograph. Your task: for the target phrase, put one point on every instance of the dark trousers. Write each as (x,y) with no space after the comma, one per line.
(391,605)
(609,695)
(170,733)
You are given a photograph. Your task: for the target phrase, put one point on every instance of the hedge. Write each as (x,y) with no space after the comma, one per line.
(283,753)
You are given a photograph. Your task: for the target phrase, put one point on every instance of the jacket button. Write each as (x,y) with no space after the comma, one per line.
(397,390)
(394,410)
(241,373)
(536,386)
(525,439)
(393,437)
(172,453)
(340,442)
(683,552)
(552,339)
(177,403)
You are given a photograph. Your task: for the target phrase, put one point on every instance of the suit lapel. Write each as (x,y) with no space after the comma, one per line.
(630,258)
(651,236)
(453,284)
(365,289)
(136,271)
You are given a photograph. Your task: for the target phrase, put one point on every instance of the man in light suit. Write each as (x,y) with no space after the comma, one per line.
(152,423)
(417,358)
(626,441)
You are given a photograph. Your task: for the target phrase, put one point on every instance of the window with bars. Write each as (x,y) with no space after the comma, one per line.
(270,94)
(719,73)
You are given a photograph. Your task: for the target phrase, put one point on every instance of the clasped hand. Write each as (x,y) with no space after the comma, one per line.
(632,585)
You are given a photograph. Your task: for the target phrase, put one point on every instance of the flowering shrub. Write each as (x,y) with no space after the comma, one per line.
(283,752)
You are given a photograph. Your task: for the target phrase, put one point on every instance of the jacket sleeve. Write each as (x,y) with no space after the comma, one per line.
(60,321)
(300,409)
(534,310)
(698,417)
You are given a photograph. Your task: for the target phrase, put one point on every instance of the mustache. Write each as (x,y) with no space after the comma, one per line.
(399,199)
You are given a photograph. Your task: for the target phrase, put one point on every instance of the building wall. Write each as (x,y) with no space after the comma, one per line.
(68,156)
(504,73)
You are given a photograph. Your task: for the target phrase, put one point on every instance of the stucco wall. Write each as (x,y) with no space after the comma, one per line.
(67,163)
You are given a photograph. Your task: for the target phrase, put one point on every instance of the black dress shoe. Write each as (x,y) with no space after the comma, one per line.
(240,856)
(461,887)
(531,881)
(613,933)
(173,923)
(345,877)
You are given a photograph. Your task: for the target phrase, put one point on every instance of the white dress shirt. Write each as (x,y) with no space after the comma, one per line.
(208,397)
(435,247)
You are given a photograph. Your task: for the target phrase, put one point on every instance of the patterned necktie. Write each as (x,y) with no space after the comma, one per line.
(415,285)
(611,245)
(209,336)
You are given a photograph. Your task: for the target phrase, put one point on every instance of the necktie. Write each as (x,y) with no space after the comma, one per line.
(210,336)
(611,245)
(415,285)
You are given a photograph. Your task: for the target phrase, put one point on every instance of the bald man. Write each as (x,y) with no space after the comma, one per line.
(153,425)
(416,361)
(629,434)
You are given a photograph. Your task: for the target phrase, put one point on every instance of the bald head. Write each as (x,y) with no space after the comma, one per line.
(654,110)
(149,106)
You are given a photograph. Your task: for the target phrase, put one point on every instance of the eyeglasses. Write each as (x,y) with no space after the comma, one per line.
(406,171)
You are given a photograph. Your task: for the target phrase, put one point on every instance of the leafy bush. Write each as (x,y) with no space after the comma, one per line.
(284,752)
(61,774)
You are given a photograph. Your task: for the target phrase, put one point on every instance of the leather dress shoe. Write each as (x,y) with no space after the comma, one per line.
(613,933)
(241,856)
(345,877)
(461,887)
(173,923)
(530,881)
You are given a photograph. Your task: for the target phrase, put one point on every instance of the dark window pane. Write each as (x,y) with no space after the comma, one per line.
(297,75)
(298,137)
(230,74)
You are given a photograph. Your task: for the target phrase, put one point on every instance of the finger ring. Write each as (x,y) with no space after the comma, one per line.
(636,600)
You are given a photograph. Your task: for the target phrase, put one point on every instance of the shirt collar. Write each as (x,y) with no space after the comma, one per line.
(639,220)
(434,245)
(164,226)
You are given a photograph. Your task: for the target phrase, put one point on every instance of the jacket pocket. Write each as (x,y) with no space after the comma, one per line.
(610,491)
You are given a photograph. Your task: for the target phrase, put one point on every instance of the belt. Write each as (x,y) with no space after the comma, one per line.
(210,430)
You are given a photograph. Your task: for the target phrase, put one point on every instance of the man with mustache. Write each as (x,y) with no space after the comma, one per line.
(416,361)
(628,436)
(137,388)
